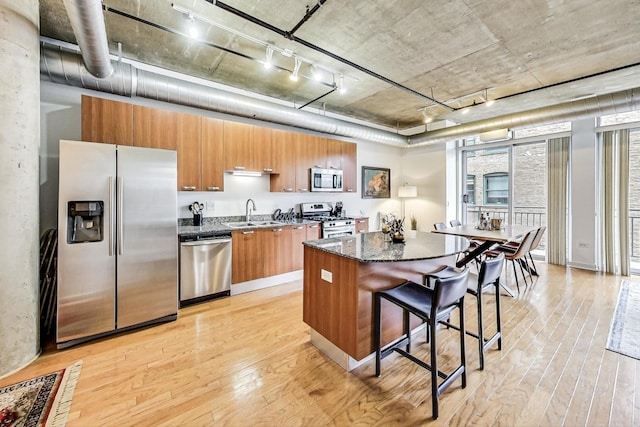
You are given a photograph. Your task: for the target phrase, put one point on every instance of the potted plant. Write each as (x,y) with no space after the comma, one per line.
(414,223)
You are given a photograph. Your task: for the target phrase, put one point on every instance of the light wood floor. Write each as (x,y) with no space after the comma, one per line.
(247,361)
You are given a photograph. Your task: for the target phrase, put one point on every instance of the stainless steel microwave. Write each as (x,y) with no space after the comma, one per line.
(326,179)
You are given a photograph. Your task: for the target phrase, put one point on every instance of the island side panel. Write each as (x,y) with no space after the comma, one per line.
(331,308)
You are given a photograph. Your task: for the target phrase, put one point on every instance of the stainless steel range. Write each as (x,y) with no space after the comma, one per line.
(333,223)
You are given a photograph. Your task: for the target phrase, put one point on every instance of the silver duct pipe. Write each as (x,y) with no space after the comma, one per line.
(618,102)
(88,26)
(62,66)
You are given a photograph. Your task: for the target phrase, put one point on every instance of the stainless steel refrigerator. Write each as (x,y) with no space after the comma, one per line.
(117,239)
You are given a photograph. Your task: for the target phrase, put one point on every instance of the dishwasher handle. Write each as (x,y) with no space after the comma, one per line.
(205,242)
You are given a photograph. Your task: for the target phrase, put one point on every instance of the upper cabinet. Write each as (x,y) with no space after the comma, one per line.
(212,154)
(247,148)
(107,121)
(154,128)
(334,154)
(284,178)
(349,167)
(188,146)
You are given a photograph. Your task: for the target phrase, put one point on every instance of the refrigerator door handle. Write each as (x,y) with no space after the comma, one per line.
(111,217)
(119,201)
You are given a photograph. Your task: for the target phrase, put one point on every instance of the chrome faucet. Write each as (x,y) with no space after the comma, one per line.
(248,210)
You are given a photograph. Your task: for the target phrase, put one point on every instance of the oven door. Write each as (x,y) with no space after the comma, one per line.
(345,230)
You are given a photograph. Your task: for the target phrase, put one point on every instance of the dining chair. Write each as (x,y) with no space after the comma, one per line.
(534,245)
(515,255)
(454,223)
(432,306)
(439,225)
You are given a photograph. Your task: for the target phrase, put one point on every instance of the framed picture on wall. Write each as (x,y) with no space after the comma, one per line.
(376,183)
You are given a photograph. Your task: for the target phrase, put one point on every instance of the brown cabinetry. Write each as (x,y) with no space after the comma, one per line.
(212,143)
(349,167)
(334,153)
(247,251)
(362,225)
(247,148)
(298,235)
(284,178)
(314,232)
(154,128)
(276,250)
(188,146)
(107,121)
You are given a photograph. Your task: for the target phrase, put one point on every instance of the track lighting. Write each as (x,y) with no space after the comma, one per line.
(268,57)
(296,69)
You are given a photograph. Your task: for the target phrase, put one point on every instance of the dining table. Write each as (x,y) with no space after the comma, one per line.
(485,239)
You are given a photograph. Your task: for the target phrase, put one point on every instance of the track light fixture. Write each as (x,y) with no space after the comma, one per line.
(296,69)
(341,88)
(268,56)
(193,29)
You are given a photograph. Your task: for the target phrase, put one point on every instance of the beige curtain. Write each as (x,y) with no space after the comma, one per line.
(614,208)
(557,195)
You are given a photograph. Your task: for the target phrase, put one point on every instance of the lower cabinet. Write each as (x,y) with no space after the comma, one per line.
(247,256)
(277,250)
(268,252)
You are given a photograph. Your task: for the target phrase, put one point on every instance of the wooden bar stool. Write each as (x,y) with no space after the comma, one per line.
(432,306)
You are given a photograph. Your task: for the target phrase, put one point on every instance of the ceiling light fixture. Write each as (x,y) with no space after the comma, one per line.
(296,69)
(316,72)
(341,87)
(268,56)
(193,29)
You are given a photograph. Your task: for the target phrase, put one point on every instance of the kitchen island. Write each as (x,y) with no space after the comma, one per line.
(341,274)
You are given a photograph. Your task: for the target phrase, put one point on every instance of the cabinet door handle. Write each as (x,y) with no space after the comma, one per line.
(269,170)
(298,228)
(361,221)
(247,232)
(361,231)
(318,166)
(276,230)
(239,168)
(303,189)
(314,226)
(349,190)
(188,188)
(213,188)
(287,190)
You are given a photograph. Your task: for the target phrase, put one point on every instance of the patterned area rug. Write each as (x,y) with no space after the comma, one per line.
(624,335)
(42,401)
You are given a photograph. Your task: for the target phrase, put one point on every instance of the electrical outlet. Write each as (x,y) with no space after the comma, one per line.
(327,276)
(210,206)
(582,245)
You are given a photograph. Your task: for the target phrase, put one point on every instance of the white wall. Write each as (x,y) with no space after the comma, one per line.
(61,119)
(426,168)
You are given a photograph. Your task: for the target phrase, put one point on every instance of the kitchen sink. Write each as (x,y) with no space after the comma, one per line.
(242,224)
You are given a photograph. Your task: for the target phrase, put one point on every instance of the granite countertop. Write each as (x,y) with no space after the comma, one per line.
(217,224)
(372,247)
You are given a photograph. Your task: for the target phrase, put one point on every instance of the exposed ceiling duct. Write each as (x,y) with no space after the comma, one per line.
(62,66)
(88,26)
(619,102)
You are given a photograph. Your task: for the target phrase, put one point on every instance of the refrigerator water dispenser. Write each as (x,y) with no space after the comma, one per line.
(85,221)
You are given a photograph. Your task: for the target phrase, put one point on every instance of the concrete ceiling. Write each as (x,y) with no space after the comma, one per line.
(526,53)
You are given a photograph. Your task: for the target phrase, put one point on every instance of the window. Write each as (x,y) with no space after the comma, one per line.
(471,189)
(496,188)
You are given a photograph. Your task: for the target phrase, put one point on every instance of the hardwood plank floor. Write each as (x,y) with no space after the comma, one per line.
(246,360)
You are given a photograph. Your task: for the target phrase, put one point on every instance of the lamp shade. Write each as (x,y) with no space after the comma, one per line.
(408,191)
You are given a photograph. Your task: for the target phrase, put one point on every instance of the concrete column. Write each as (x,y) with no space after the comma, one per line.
(19,144)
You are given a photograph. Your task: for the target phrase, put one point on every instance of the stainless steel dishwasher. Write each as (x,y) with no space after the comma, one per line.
(205,267)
